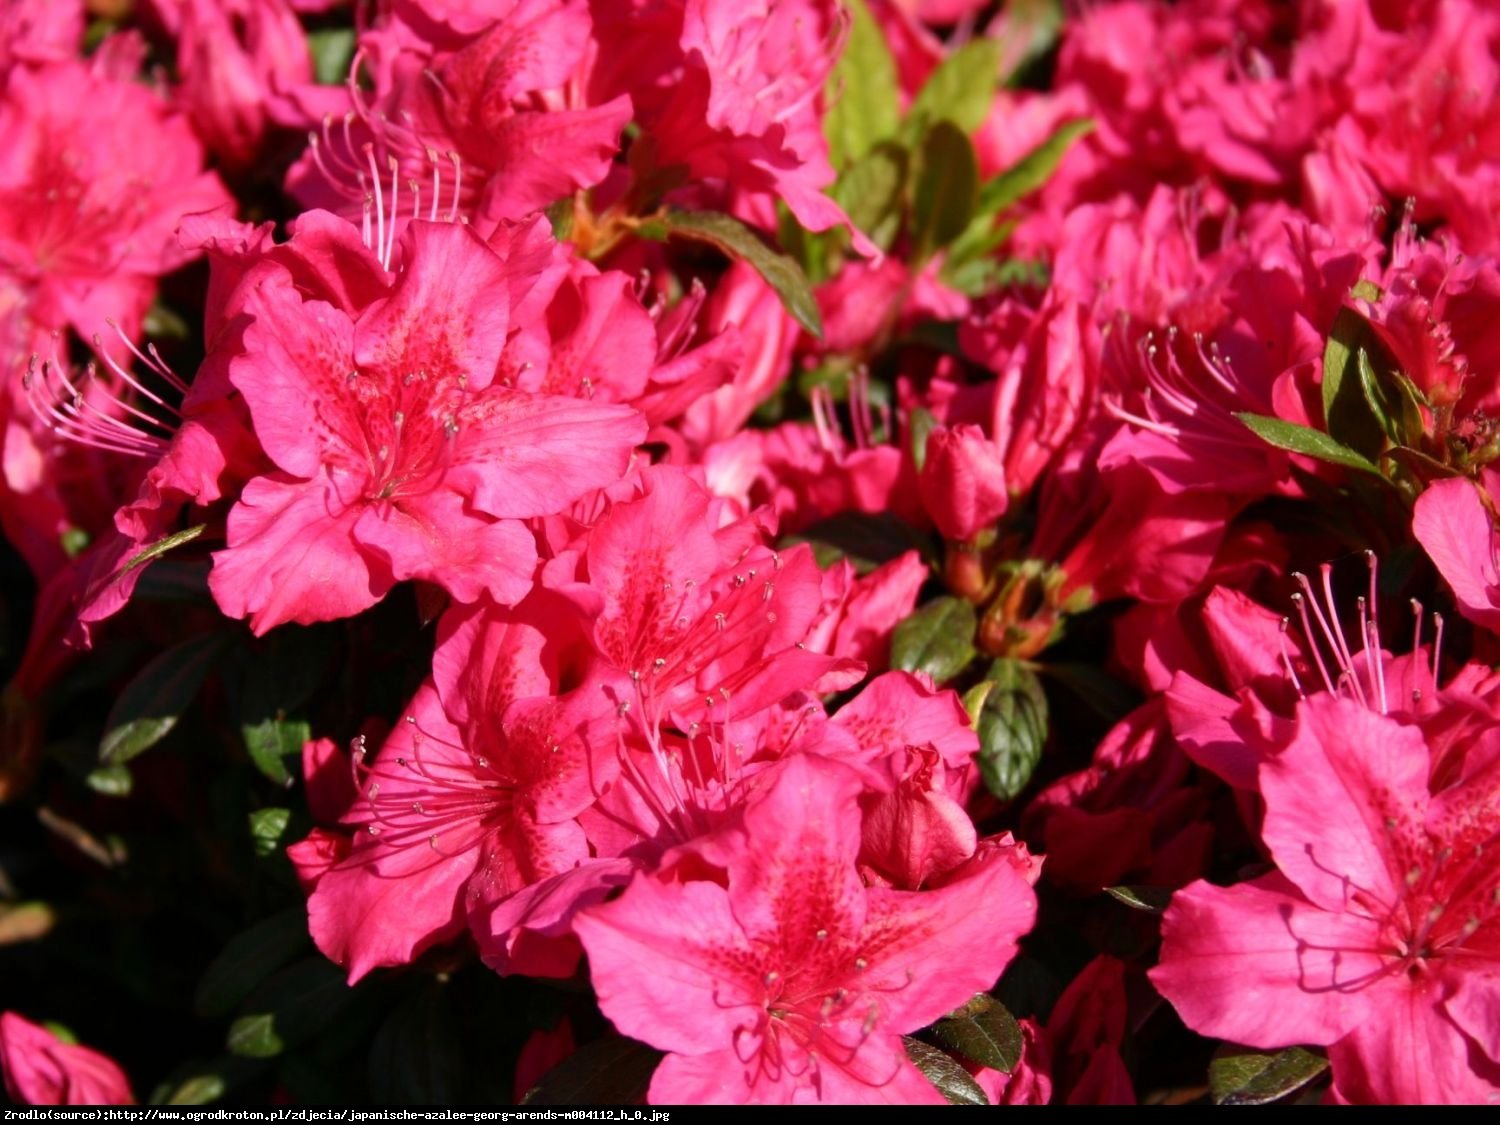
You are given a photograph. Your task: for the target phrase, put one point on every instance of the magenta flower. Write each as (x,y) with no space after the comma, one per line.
(40,1068)
(399,455)
(1379,937)
(1455,522)
(787,980)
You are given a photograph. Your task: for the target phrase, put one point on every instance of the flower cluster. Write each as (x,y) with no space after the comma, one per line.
(797,551)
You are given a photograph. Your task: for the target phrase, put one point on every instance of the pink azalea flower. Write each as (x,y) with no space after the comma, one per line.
(32,32)
(786,980)
(421,463)
(481,118)
(472,798)
(41,1068)
(1377,935)
(1455,523)
(231,59)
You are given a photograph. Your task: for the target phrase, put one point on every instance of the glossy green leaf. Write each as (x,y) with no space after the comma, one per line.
(606,1072)
(960,89)
(946,188)
(250,957)
(289,1008)
(864,93)
(149,707)
(952,1080)
(417,1056)
(1032,171)
(983,1032)
(1256,1079)
(1012,728)
(733,238)
(937,639)
(1305,440)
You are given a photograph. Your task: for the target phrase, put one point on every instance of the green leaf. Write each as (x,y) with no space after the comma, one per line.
(285,670)
(1012,728)
(952,1080)
(267,827)
(1393,399)
(332,51)
(870,192)
(983,1032)
(151,704)
(863,92)
(961,89)
(919,427)
(606,1072)
(1305,440)
(1094,688)
(1032,170)
(732,237)
(1151,900)
(198,1090)
(111,781)
(866,539)
(159,548)
(254,1037)
(289,1008)
(248,958)
(947,185)
(1256,1079)
(417,1056)
(937,639)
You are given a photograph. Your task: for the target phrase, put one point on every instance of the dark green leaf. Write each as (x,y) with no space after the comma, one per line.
(947,185)
(983,1032)
(332,51)
(200,1083)
(866,539)
(284,671)
(1152,900)
(1393,399)
(1255,1079)
(952,1080)
(1305,440)
(267,827)
(1012,728)
(1095,688)
(961,89)
(937,639)
(732,237)
(151,704)
(863,95)
(1347,408)
(248,958)
(608,1072)
(417,1057)
(870,192)
(289,1008)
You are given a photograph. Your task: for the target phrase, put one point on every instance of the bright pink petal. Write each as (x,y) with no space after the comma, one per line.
(432,537)
(1412,1055)
(1337,797)
(1451,523)
(291,555)
(1258,964)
